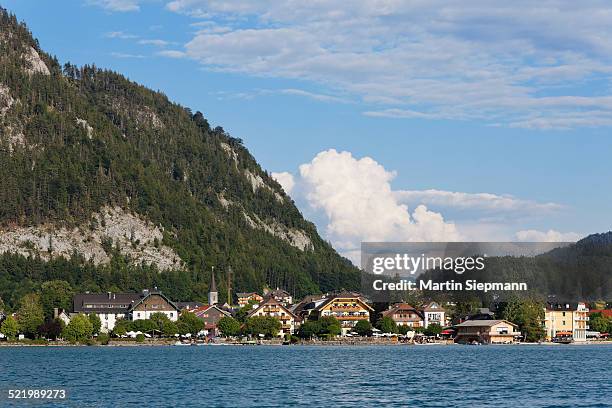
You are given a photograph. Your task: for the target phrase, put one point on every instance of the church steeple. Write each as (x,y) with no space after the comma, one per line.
(213,296)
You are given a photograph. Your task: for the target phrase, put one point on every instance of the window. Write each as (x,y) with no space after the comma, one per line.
(171,314)
(563,316)
(564,321)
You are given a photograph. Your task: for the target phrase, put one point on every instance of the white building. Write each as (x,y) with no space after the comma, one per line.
(434,313)
(111,307)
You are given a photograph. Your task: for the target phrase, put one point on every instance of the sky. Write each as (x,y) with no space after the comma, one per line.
(385,120)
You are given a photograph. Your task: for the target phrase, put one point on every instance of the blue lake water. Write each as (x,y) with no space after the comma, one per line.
(314,376)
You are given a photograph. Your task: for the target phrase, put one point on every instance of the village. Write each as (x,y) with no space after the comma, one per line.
(275,317)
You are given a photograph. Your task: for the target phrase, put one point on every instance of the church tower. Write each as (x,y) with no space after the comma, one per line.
(213,296)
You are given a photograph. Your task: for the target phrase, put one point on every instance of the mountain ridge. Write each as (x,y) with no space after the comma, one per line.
(76,141)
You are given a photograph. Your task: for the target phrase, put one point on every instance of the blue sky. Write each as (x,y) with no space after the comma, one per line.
(410,120)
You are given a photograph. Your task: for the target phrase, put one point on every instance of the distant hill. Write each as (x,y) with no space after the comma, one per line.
(124,183)
(581,271)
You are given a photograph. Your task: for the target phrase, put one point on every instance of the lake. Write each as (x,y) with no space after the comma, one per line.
(314,376)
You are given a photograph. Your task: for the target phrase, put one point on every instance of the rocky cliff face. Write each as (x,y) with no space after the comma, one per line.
(111,228)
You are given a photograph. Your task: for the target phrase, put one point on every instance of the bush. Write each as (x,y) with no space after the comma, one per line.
(433,329)
(229,326)
(189,323)
(387,325)
(140,338)
(363,328)
(79,329)
(266,325)
(103,338)
(10,328)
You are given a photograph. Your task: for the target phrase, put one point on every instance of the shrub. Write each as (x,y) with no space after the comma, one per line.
(363,328)
(79,329)
(103,338)
(140,338)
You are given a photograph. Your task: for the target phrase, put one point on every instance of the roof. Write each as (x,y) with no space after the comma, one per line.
(213,285)
(151,293)
(308,303)
(605,312)
(278,293)
(206,308)
(432,307)
(247,294)
(104,302)
(344,295)
(483,323)
(188,305)
(401,306)
(272,302)
(562,306)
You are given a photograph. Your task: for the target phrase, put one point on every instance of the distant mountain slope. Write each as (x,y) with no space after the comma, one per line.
(581,271)
(94,165)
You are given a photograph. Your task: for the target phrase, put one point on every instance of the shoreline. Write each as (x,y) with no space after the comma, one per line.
(307,344)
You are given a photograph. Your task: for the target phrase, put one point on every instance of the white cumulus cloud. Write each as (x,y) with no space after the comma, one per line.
(547,236)
(479,201)
(360,205)
(285,179)
(352,200)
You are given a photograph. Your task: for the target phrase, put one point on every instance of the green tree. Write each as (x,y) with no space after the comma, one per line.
(10,328)
(403,329)
(143,325)
(30,315)
(140,338)
(79,329)
(599,323)
(433,329)
(386,325)
(103,338)
(363,328)
(330,326)
(528,315)
(189,323)
(55,294)
(242,313)
(228,326)
(51,329)
(169,329)
(163,323)
(121,327)
(309,329)
(266,325)
(96,324)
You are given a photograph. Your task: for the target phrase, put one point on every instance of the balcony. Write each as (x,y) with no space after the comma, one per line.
(346,309)
(352,317)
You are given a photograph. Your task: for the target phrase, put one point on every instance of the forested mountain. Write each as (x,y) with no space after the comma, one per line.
(110,186)
(578,272)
